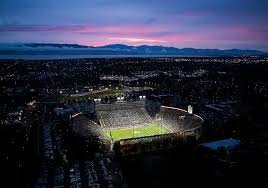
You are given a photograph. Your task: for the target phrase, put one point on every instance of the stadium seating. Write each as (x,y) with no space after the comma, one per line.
(85,127)
(177,120)
(123,115)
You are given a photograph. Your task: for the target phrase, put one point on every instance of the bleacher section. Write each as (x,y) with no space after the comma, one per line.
(178,120)
(85,127)
(123,114)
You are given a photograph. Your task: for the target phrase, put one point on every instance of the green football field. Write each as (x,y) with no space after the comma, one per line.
(118,134)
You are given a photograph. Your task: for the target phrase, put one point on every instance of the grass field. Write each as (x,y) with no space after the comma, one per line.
(118,134)
(99,93)
(94,94)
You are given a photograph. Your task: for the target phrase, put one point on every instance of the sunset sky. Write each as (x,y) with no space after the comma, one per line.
(190,23)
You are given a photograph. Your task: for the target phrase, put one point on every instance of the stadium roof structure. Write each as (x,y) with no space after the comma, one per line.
(226,143)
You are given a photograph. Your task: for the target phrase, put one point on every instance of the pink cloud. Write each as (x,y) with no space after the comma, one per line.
(214,37)
(138,34)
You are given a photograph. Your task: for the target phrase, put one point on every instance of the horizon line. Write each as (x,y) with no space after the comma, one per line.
(261,50)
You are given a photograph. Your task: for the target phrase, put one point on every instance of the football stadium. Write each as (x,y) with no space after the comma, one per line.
(130,120)
(127,127)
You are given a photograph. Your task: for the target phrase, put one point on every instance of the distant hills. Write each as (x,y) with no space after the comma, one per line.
(116,49)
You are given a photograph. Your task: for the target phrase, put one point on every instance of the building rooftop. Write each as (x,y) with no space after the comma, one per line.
(227,143)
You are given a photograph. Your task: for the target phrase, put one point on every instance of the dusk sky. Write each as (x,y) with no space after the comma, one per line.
(180,23)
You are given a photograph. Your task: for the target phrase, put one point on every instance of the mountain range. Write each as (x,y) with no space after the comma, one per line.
(116,49)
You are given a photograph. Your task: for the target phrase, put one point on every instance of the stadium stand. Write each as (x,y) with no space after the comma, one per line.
(178,120)
(85,127)
(123,115)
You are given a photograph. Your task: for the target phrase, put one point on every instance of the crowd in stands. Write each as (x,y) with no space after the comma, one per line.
(178,120)
(120,105)
(124,118)
(85,127)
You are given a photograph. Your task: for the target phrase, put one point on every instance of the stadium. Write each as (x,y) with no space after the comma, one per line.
(127,125)
(129,122)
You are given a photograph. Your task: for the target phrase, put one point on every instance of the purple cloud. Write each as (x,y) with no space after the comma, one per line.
(191,23)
